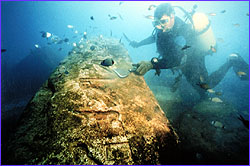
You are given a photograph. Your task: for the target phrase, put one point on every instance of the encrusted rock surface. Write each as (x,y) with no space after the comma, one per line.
(86,114)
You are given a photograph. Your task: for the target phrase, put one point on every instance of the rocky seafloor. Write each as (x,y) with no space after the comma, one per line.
(85,114)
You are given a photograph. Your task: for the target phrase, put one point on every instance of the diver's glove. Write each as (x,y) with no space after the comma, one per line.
(134,44)
(144,67)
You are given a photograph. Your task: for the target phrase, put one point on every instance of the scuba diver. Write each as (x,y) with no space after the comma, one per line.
(187,59)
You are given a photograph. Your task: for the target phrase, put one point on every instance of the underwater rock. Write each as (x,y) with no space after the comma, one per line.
(212,130)
(91,116)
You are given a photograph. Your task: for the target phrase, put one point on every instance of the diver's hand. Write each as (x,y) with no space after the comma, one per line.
(144,67)
(134,44)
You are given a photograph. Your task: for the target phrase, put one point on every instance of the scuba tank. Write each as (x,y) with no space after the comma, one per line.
(202,26)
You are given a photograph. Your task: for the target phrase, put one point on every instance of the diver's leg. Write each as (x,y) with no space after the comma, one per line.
(215,77)
(196,73)
(241,68)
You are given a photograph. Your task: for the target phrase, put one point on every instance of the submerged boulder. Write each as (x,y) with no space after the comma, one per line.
(86,114)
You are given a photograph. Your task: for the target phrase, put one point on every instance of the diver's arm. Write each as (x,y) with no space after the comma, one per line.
(149,40)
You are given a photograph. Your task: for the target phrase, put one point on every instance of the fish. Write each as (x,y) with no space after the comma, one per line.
(120,3)
(213,49)
(59,49)
(70,26)
(3,50)
(66,72)
(49,43)
(107,62)
(236,25)
(247,14)
(223,11)
(66,40)
(92,18)
(149,17)
(185,47)
(74,36)
(120,41)
(212,14)
(201,79)
(151,7)
(241,73)
(216,100)
(120,16)
(112,17)
(46,34)
(210,91)
(111,33)
(37,46)
(203,85)
(217,124)
(244,121)
(85,35)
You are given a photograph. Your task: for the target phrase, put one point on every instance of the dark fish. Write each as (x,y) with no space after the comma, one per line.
(59,49)
(92,48)
(113,18)
(49,43)
(185,47)
(247,14)
(120,16)
(120,41)
(223,11)
(3,50)
(60,42)
(74,37)
(151,7)
(120,3)
(111,33)
(92,18)
(107,62)
(244,121)
(66,40)
(66,72)
(203,85)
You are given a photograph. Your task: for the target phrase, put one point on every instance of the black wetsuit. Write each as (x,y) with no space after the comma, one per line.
(170,56)
(170,52)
